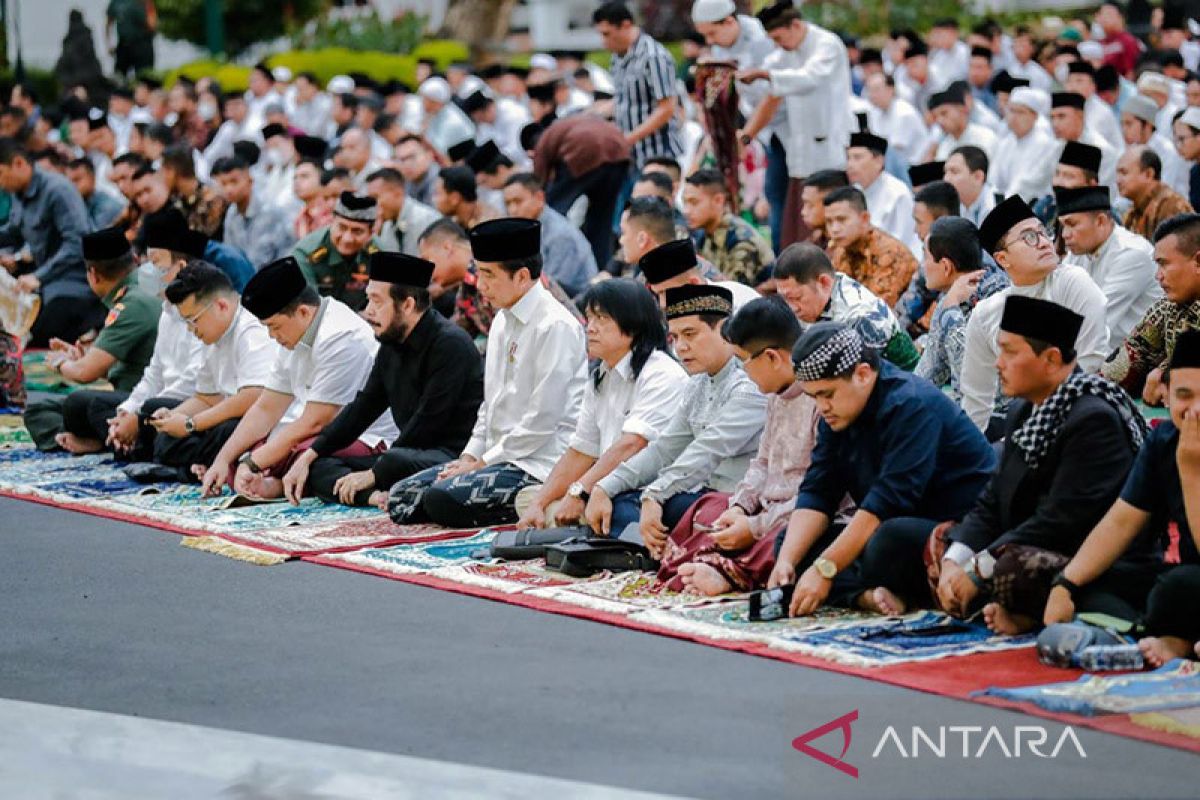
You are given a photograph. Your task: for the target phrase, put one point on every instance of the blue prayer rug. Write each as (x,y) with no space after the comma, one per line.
(414,558)
(1173,685)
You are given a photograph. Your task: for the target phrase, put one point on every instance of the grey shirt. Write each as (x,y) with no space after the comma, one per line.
(264,233)
(566,255)
(708,443)
(50,218)
(402,234)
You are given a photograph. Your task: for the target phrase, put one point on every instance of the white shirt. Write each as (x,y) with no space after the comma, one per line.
(984,117)
(241,357)
(950,65)
(982,206)
(313,117)
(1024,166)
(1174,169)
(642,405)
(750,51)
(902,126)
(173,367)
(976,135)
(890,204)
(1123,267)
(1032,71)
(533,377)
(1099,117)
(814,82)
(329,365)
(511,117)
(742,294)
(1108,159)
(1067,285)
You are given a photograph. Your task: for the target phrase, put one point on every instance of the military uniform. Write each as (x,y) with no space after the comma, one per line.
(737,250)
(333,274)
(129,334)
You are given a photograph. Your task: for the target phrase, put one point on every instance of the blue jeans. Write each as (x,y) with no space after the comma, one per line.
(627,510)
(776,187)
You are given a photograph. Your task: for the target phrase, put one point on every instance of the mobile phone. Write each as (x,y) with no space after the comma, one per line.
(768,605)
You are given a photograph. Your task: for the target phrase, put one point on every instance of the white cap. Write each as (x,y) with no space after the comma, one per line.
(712,10)
(1191,117)
(435,89)
(1035,100)
(1141,107)
(1091,50)
(282,74)
(543,61)
(340,84)
(139,116)
(470,85)
(1154,82)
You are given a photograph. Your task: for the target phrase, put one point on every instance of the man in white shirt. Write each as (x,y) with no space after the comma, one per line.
(949,110)
(1121,263)
(631,397)
(1067,118)
(498,120)
(1019,243)
(809,75)
(308,107)
(1023,161)
(949,56)
(889,200)
(445,124)
(1023,64)
(324,356)
(1139,120)
(895,119)
(534,373)
(1099,116)
(675,264)
(235,365)
(967,171)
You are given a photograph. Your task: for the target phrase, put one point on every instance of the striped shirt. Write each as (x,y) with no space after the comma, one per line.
(643,77)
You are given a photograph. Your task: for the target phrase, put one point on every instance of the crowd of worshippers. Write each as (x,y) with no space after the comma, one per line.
(904,365)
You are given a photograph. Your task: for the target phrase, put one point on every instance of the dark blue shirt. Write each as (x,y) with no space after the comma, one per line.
(230,261)
(1153,486)
(911,453)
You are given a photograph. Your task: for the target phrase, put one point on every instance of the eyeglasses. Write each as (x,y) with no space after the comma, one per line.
(194,318)
(750,358)
(1032,236)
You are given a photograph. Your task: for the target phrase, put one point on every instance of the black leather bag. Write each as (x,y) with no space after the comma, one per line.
(580,558)
(532,542)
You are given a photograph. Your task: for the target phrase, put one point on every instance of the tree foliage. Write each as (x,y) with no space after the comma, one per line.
(246,21)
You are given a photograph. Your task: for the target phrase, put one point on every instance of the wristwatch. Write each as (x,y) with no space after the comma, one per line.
(982,565)
(576,490)
(189,425)
(826,568)
(248,460)
(1062,580)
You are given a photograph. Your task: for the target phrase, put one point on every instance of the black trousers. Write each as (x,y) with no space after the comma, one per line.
(67,318)
(86,412)
(892,559)
(396,464)
(602,187)
(1163,599)
(198,448)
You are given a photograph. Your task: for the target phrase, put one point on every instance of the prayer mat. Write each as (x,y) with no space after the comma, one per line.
(623,593)
(1182,721)
(14,437)
(1173,685)
(414,558)
(61,476)
(275,545)
(512,577)
(880,641)
(40,378)
(730,619)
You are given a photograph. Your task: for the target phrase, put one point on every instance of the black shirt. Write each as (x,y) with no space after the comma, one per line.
(433,384)
(1153,486)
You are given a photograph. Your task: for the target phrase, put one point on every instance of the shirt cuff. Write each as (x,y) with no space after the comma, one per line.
(474,449)
(959,553)
(587,447)
(493,455)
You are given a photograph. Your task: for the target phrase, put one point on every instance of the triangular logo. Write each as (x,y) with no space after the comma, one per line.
(843,724)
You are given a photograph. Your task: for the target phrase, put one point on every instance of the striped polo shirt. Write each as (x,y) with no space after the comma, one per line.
(642,77)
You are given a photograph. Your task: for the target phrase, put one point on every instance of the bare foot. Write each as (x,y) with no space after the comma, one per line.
(882,601)
(704,579)
(270,488)
(1000,620)
(78,445)
(1158,650)
(379,500)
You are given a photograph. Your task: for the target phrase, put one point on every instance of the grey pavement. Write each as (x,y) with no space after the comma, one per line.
(112,617)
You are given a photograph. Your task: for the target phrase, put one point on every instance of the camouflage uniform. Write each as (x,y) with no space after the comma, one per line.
(736,249)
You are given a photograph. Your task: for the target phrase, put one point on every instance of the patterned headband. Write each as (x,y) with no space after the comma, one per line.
(839,354)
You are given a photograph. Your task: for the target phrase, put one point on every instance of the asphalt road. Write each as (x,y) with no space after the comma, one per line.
(113,617)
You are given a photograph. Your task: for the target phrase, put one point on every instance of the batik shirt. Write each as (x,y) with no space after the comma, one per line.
(878,261)
(1150,344)
(204,211)
(853,304)
(1163,203)
(736,249)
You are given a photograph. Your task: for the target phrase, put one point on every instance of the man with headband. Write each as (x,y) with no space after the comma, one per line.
(1163,486)
(707,445)
(906,455)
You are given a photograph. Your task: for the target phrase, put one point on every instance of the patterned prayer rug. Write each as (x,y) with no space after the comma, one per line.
(40,378)
(62,476)
(1173,685)
(1183,721)
(12,431)
(416,558)
(880,641)
(623,593)
(512,577)
(309,540)
(730,620)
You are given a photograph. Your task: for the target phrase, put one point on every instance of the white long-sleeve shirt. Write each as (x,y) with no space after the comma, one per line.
(976,135)
(902,126)
(1098,116)
(890,204)
(1068,286)
(172,369)
(533,378)
(1024,166)
(1123,267)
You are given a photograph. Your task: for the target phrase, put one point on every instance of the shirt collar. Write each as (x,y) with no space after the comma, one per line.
(624,367)
(310,335)
(726,371)
(421,333)
(524,308)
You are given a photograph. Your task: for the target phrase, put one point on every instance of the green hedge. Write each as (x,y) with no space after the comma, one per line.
(328,62)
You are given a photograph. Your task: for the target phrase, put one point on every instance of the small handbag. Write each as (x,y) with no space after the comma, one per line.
(581,558)
(532,542)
